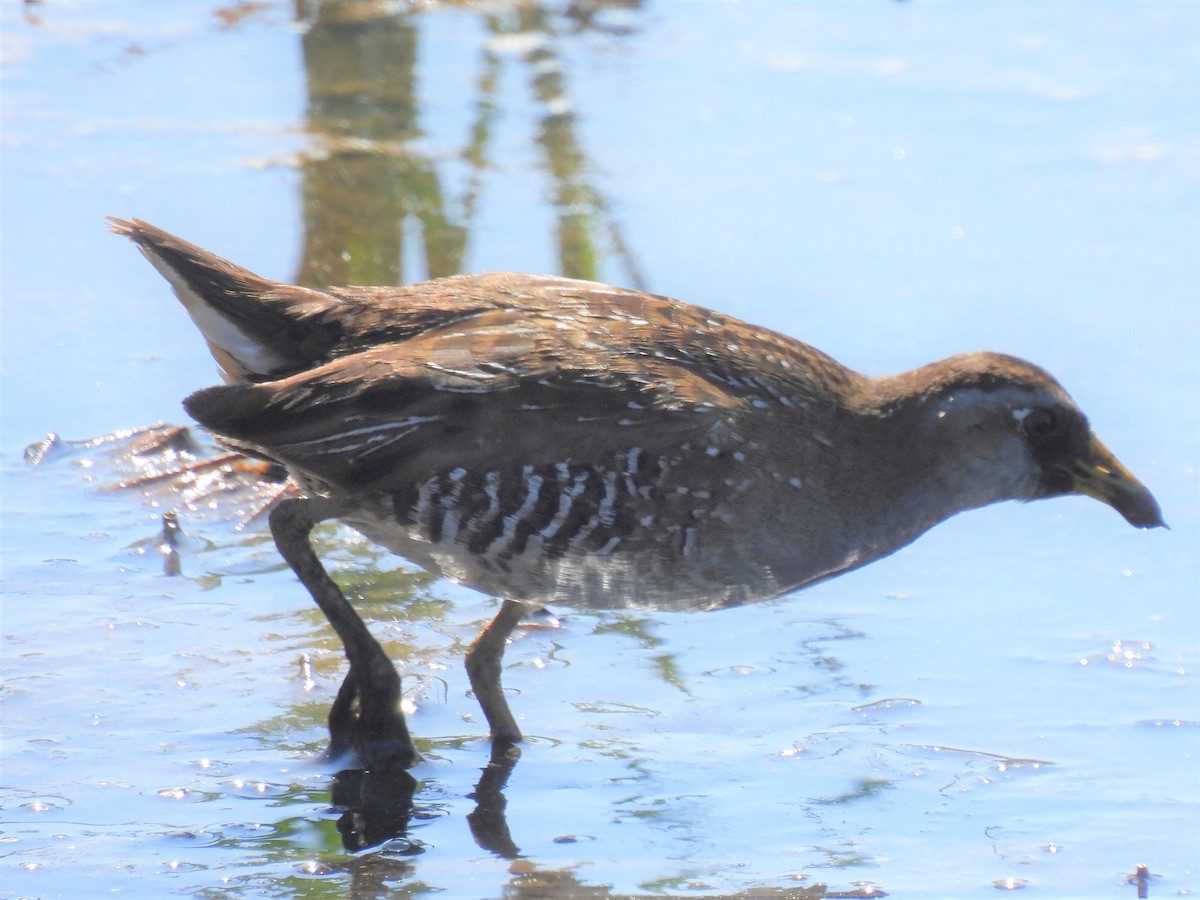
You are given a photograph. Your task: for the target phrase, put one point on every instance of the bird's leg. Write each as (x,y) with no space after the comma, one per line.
(379,732)
(483,670)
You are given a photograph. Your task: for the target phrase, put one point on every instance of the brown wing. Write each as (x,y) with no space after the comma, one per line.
(506,386)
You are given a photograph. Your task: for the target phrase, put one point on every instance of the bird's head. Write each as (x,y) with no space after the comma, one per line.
(998,428)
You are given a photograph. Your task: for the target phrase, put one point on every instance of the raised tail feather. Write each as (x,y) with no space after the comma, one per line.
(256,328)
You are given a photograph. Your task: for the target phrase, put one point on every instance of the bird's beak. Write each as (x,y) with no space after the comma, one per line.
(1099,474)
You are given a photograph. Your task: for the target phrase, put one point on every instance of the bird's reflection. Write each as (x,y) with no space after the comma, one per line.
(488,823)
(378,808)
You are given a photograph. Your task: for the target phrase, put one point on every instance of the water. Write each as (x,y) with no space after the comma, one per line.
(1011,701)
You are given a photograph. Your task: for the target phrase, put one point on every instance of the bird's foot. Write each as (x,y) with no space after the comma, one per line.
(371,726)
(382,755)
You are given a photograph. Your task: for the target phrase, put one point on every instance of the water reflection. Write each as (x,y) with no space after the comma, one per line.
(363,179)
(377,810)
(489,826)
(367,181)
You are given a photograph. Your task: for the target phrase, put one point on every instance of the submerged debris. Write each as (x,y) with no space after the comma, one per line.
(176,467)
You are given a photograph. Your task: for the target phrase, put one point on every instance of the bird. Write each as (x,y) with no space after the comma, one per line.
(548,440)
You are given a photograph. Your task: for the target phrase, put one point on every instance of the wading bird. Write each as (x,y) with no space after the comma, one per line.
(545,440)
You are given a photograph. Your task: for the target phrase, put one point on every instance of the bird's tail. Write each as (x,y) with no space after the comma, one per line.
(257,329)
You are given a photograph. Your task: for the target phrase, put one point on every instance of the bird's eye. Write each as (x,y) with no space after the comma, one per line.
(1042,425)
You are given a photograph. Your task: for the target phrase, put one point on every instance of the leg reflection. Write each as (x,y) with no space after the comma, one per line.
(378,808)
(488,823)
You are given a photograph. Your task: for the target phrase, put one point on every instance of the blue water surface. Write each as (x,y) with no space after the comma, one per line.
(1010,702)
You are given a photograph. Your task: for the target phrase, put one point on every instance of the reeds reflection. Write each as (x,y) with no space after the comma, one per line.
(370,188)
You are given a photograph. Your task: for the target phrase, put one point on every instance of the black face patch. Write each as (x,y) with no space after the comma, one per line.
(1057,437)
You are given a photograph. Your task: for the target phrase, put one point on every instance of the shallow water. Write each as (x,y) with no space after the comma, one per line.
(1010,702)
